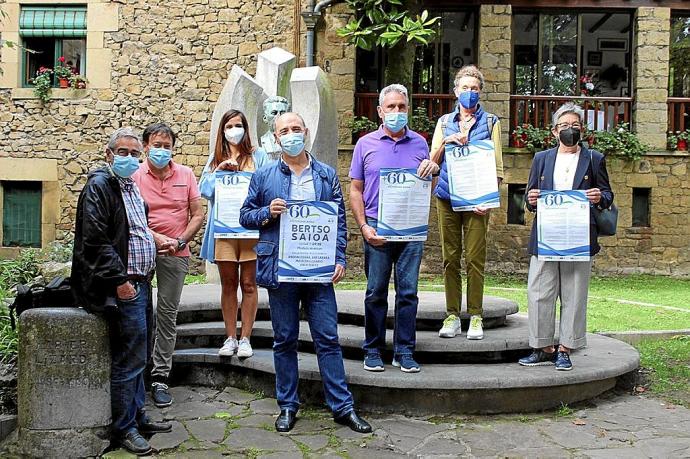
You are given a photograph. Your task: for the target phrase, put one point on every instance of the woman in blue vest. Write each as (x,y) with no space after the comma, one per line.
(468,122)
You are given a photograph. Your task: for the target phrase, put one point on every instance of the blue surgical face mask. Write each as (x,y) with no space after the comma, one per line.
(160,157)
(292,143)
(395,121)
(124,166)
(468,99)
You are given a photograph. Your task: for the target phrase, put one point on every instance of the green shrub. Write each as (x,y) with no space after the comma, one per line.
(619,142)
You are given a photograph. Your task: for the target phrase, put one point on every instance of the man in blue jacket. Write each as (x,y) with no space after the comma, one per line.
(299,176)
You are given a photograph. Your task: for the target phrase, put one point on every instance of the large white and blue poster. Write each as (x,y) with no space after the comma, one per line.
(308,236)
(563,226)
(231,190)
(404,199)
(472,175)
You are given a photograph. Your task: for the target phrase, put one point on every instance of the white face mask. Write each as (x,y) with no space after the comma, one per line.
(234,135)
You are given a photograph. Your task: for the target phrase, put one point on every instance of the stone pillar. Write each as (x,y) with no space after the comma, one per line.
(64,383)
(495,61)
(650,75)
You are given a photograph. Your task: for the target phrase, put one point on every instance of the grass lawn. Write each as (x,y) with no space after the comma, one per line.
(604,313)
(668,364)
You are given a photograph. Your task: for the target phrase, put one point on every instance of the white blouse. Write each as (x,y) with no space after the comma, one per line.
(564,170)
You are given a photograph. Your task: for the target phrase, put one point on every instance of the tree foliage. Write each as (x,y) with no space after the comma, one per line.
(385,23)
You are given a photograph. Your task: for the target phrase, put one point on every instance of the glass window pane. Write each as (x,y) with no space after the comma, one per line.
(21,214)
(74,52)
(679,62)
(526,53)
(559,54)
(39,52)
(640,206)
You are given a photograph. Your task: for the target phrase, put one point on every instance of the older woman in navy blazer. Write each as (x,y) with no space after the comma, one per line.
(569,166)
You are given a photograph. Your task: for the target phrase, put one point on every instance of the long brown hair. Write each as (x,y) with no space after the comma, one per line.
(223,146)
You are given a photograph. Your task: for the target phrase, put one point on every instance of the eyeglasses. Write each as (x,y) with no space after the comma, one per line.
(126,152)
(569,125)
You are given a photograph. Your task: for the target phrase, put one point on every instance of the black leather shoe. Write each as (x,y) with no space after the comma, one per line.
(149,427)
(135,443)
(286,421)
(354,422)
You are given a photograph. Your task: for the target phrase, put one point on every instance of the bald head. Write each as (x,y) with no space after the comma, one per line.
(289,122)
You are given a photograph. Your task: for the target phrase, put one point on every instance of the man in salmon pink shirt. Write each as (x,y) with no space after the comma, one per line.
(175,215)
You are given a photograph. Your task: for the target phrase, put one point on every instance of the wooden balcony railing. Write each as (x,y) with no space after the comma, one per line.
(678,113)
(435,104)
(601,113)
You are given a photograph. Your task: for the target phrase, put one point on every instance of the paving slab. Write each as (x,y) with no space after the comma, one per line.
(250,437)
(172,439)
(235,395)
(257,420)
(314,442)
(212,430)
(196,410)
(264,406)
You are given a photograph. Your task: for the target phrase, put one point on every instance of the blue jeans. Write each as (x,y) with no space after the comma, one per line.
(128,347)
(378,265)
(322,315)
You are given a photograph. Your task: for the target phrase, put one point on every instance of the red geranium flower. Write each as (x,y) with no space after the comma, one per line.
(61,59)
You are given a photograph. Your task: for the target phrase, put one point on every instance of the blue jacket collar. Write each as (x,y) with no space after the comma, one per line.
(455,114)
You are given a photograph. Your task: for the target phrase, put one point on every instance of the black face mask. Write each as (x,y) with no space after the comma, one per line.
(569,137)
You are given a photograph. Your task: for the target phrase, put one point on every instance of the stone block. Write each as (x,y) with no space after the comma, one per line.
(63,383)
(313,98)
(273,69)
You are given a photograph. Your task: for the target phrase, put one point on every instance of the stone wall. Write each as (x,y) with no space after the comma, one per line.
(661,248)
(495,59)
(650,74)
(169,63)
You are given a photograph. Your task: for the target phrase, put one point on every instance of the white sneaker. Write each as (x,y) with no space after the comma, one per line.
(244,349)
(451,327)
(229,347)
(475,331)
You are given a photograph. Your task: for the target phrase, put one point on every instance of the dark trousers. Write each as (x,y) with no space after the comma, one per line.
(322,315)
(129,347)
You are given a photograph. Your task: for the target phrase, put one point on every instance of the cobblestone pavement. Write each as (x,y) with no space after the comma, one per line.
(208,423)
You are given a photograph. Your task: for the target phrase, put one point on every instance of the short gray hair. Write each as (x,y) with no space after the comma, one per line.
(122,133)
(275,121)
(566,108)
(393,88)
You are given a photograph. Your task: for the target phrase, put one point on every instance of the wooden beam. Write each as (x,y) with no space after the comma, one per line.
(600,22)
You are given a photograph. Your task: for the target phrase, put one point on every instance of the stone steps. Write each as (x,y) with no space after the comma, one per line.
(505,343)
(457,375)
(438,388)
(201,303)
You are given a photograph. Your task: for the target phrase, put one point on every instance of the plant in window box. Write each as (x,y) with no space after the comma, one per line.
(421,123)
(621,142)
(77,81)
(533,138)
(43,83)
(63,73)
(672,140)
(360,126)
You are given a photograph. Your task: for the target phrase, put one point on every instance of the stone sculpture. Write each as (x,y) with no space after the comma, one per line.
(273,106)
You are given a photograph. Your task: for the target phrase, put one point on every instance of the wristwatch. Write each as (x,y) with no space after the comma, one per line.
(181,244)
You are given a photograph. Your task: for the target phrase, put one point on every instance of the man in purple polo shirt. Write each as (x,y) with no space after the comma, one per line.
(392,145)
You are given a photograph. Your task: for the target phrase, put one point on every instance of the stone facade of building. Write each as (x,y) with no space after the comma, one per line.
(148,61)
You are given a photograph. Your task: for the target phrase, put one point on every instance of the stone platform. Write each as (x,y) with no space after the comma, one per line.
(457,375)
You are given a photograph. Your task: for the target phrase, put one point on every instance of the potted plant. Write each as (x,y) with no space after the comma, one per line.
(43,83)
(359,126)
(421,123)
(63,73)
(683,139)
(77,81)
